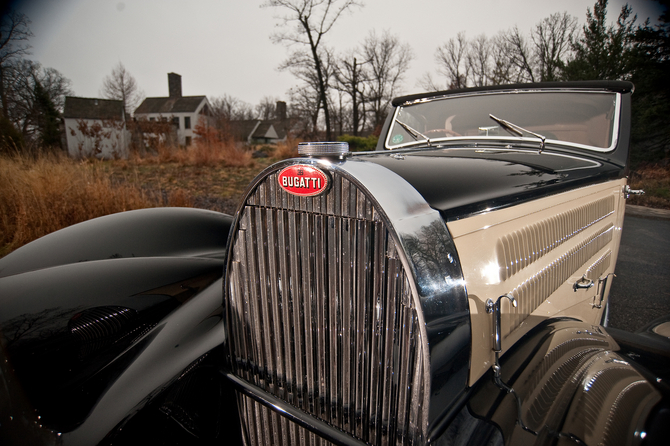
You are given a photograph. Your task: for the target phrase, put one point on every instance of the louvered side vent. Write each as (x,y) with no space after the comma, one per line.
(523,247)
(100,322)
(536,289)
(597,270)
(322,316)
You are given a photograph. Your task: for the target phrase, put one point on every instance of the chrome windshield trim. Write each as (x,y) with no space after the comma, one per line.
(503,91)
(512,140)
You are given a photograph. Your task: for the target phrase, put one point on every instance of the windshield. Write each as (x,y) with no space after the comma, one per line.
(583,119)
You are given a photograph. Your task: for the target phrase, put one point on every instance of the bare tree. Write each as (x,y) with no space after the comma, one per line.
(301,65)
(478,60)
(314,19)
(429,83)
(521,54)
(451,61)
(122,86)
(552,39)
(351,75)
(503,70)
(387,59)
(267,108)
(229,108)
(226,109)
(305,109)
(14,35)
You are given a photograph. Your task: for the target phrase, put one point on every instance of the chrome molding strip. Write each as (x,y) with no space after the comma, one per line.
(521,248)
(535,290)
(263,427)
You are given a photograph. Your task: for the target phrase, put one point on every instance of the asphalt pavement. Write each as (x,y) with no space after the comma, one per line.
(641,289)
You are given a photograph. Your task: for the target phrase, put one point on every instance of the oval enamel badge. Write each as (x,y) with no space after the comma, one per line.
(303,180)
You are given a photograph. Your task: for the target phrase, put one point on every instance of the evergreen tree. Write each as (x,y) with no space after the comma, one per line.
(48,118)
(651,101)
(604,51)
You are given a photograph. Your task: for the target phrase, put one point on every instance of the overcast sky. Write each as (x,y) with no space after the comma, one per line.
(224,46)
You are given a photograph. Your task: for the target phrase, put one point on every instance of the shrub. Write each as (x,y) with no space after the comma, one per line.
(654,179)
(286,149)
(11,140)
(360,143)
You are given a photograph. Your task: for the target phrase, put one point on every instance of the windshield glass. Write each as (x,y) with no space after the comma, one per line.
(582,119)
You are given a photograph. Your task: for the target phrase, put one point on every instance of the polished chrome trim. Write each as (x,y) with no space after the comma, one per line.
(627,191)
(513,140)
(368,194)
(303,419)
(495,309)
(338,149)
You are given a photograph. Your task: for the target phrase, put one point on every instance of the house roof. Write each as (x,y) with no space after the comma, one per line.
(258,129)
(92,108)
(183,104)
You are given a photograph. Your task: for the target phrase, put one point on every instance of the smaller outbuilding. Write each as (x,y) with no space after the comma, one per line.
(95,128)
(262,131)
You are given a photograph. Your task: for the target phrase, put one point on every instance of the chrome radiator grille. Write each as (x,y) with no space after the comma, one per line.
(322,315)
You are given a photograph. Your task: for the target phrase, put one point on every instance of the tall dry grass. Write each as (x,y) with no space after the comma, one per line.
(286,149)
(210,149)
(46,193)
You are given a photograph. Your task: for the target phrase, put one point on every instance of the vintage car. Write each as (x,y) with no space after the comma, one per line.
(450,287)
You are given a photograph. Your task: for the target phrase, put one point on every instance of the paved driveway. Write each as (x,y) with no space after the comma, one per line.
(641,290)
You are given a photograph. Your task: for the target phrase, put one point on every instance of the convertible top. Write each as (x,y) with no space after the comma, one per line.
(616,86)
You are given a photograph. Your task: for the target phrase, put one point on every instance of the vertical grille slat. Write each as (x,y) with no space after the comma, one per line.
(322,316)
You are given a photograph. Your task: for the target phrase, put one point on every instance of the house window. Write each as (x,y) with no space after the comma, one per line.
(187,122)
(175,121)
(188,140)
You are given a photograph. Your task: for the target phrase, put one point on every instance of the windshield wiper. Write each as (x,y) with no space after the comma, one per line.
(415,133)
(518,131)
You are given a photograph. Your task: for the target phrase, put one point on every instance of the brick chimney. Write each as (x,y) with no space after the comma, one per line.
(174,85)
(281,110)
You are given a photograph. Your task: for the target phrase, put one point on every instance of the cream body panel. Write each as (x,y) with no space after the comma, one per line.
(536,251)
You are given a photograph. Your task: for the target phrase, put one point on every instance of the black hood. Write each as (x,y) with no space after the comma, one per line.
(464,181)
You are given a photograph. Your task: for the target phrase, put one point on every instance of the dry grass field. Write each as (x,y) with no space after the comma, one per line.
(39,195)
(42,194)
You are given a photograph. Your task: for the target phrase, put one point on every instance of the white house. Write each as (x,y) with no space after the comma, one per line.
(183,111)
(95,128)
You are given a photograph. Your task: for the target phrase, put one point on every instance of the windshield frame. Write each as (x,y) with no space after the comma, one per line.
(504,139)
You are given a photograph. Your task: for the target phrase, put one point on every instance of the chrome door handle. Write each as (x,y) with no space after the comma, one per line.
(495,309)
(627,191)
(583,284)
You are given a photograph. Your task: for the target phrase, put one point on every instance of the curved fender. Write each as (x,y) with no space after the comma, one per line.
(156,232)
(70,330)
(571,381)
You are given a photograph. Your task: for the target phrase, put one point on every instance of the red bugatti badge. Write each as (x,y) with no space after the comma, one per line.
(303,180)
